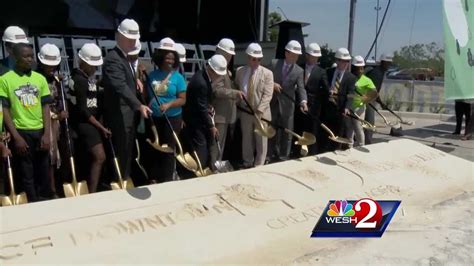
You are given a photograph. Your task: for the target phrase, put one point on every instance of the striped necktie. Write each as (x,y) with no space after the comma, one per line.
(337,83)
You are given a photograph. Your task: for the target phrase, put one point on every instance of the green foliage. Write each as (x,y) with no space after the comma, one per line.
(273,18)
(327,56)
(428,55)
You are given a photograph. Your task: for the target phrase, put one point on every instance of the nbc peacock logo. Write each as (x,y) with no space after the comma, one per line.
(340,208)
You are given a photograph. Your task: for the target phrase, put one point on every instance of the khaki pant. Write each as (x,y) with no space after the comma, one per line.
(354,127)
(251,141)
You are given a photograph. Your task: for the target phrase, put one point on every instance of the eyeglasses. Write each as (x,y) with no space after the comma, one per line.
(255,59)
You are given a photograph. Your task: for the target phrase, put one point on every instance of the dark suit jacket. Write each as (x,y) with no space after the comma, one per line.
(317,88)
(293,86)
(120,100)
(198,97)
(346,88)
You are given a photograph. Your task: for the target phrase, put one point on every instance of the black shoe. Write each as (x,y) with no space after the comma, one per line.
(456,133)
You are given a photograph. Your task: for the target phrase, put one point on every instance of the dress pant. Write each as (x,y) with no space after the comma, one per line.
(279,146)
(224,129)
(201,142)
(164,164)
(333,119)
(252,141)
(31,170)
(123,139)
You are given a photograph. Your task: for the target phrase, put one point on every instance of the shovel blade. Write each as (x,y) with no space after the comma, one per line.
(14,199)
(306,139)
(340,140)
(223,166)
(163,148)
(304,150)
(188,162)
(125,184)
(72,191)
(204,172)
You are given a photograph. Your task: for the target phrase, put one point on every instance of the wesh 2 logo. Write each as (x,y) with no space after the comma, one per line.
(355,218)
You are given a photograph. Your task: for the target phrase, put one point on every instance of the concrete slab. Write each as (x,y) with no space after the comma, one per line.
(261,215)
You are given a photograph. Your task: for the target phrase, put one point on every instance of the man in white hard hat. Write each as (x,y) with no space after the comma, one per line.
(225,99)
(377,75)
(196,115)
(288,90)
(11,36)
(316,85)
(49,58)
(256,83)
(120,99)
(338,99)
(25,98)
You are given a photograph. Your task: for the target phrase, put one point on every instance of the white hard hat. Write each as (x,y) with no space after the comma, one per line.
(293,46)
(129,28)
(358,61)
(227,45)
(49,55)
(14,34)
(343,54)
(386,57)
(254,50)
(313,49)
(136,50)
(91,54)
(167,44)
(181,52)
(218,63)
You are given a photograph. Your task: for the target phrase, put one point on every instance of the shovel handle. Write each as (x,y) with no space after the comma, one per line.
(73,169)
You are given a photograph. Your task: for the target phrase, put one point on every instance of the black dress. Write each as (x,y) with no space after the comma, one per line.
(84,103)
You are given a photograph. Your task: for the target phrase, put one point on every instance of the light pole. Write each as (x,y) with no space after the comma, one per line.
(377,9)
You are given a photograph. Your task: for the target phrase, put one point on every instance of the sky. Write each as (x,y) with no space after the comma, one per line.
(330,22)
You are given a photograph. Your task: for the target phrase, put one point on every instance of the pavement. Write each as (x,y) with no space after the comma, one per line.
(434,130)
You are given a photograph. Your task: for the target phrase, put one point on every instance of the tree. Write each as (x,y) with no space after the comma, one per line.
(273,18)
(327,56)
(428,55)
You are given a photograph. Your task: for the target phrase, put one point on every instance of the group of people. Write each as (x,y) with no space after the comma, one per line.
(128,104)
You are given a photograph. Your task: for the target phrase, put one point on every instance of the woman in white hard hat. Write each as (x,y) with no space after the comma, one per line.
(86,111)
(49,59)
(364,85)
(170,87)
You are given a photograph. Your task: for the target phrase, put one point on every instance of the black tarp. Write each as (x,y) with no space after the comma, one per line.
(177,19)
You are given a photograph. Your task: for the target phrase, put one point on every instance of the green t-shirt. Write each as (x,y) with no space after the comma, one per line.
(25,95)
(363,85)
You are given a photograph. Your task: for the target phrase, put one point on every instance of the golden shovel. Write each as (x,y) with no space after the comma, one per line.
(334,137)
(365,124)
(121,184)
(74,188)
(13,198)
(156,142)
(185,159)
(264,130)
(200,171)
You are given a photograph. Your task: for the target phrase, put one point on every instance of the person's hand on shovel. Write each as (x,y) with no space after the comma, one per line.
(106,132)
(145,111)
(276,87)
(304,107)
(5,152)
(214,132)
